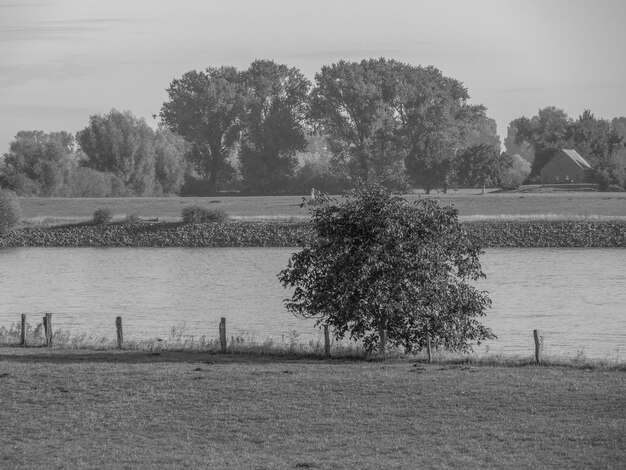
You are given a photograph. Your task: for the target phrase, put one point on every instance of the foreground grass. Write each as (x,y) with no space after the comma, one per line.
(76,409)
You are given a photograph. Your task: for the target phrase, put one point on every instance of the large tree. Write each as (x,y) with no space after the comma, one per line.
(481,130)
(382,266)
(601,144)
(351,105)
(435,115)
(39,163)
(521,148)
(273,131)
(516,172)
(482,166)
(171,166)
(206,108)
(387,120)
(120,143)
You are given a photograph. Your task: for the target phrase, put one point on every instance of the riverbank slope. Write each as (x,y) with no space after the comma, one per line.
(522,233)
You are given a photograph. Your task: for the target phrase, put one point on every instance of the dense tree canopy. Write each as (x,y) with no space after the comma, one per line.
(388,120)
(380,264)
(481,130)
(481,165)
(122,144)
(206,108)
(435,114)
(516,171)
(351,105)
(39,163)
(273,125)
(171,166)
(513,146)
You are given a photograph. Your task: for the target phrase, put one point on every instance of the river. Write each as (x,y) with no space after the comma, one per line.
(576,297)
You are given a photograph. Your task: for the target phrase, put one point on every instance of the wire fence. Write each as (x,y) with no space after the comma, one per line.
(101,331)
(72,331)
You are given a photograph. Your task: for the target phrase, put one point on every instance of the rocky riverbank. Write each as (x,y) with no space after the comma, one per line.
(256,234)
(544,234)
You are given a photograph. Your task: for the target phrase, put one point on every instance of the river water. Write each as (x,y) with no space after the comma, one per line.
(576,297)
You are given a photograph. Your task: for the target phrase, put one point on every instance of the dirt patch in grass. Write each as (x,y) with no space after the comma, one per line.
(135,410)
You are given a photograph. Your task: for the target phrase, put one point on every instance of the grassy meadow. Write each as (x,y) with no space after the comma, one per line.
(470,203)
(98,409)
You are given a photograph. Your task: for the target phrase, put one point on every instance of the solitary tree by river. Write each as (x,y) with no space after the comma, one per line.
(383,266)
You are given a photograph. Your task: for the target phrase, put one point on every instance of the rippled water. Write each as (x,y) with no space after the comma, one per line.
(576,297)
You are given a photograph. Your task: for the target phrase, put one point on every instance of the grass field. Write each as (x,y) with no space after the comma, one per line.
(81,409)
(469,202)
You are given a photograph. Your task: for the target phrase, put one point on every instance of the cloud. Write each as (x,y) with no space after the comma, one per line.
(50,30)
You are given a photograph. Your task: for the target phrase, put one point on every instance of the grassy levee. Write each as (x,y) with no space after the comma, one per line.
(98,409)
(468,202)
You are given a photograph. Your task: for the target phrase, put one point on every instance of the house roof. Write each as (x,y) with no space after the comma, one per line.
(575,156)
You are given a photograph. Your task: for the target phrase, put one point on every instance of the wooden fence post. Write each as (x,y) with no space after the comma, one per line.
(382,334)
(120,333)
(428,348)
(538,340)
(223,334)
(48,328)
(23,331)
(326,341)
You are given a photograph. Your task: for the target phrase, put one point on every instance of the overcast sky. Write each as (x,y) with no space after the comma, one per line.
(64,60)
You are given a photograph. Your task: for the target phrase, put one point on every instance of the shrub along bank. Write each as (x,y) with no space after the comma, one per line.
(533,234)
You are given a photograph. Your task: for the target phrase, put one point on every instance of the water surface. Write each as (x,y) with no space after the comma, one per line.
(576,297)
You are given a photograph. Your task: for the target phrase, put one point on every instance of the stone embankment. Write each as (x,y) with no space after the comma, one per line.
(277,234)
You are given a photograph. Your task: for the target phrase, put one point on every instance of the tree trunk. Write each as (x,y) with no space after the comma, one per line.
(382,346)
(214,166)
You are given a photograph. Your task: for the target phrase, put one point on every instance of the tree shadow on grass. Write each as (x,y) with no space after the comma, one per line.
(77,356)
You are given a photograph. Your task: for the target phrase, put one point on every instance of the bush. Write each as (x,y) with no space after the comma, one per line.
(10,213)
(202,215)
(132,219)
(102,216)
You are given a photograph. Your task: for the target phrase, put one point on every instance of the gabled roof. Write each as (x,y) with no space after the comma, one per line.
(575,156)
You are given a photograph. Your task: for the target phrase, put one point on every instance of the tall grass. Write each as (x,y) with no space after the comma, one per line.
(290,345)
(178,340)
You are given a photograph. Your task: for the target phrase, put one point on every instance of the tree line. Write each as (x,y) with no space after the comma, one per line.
(268,130)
